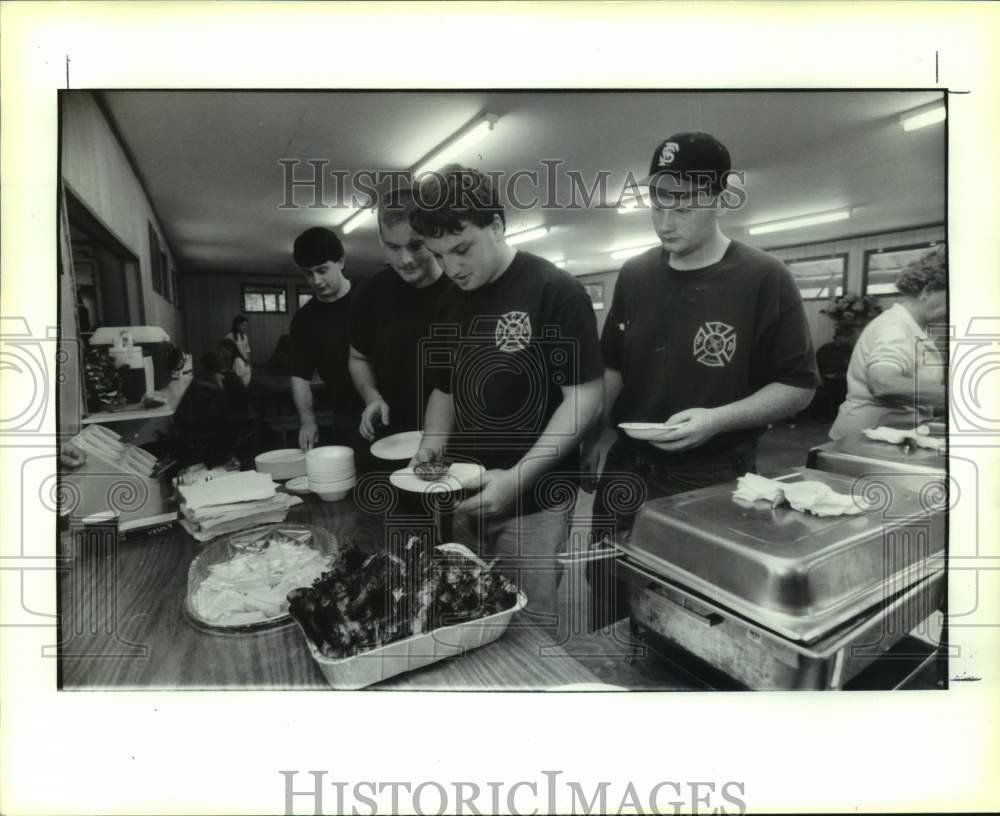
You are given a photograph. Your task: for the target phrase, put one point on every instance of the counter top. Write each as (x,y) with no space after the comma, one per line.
(123,625)
(174,392)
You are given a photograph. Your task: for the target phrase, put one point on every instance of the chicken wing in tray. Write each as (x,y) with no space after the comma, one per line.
(365,602)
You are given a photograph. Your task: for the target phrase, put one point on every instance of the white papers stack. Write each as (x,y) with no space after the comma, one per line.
(231,503)
(894,436)
(807,497)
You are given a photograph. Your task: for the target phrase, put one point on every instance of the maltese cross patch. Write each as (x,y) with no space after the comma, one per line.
(714,344)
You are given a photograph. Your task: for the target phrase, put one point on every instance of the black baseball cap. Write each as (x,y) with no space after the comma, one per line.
(696,158)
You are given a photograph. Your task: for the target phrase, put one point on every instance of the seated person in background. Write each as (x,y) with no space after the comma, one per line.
(896,374)
(232,359)
(211,370)
(281,358)
(393,312)
(321,338)
(238,334)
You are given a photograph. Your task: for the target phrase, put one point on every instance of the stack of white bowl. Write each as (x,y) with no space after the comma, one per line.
(331,471)
(282,464)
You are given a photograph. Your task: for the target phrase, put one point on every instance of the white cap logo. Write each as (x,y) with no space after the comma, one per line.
(667,153)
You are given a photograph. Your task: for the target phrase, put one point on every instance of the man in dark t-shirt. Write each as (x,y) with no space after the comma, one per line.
(320,337)
(516,369)
(704,334)
(392,313)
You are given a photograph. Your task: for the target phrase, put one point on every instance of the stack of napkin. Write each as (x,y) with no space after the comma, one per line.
(895,436)
(233,502)
(806,497)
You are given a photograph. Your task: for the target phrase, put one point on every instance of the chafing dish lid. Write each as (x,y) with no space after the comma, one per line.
(782,561)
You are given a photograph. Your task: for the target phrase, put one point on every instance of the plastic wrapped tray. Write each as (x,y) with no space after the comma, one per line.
(244,541)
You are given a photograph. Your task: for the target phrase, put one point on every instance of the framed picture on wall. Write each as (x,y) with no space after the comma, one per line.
(820,278)
(596,292)
(883,265)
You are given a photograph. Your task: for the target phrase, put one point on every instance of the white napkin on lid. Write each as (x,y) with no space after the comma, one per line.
(806,497)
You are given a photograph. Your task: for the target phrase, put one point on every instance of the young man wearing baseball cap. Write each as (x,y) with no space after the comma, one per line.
(392,312)
(519,386)
(320,337)
(704,334)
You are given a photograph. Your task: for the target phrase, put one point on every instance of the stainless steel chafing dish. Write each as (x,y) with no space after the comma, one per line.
(857,455)
(777,598)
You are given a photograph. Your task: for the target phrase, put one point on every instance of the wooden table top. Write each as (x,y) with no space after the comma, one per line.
(123,625)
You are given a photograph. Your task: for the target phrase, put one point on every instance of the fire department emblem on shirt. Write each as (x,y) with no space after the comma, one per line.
(513,331)
(715,344)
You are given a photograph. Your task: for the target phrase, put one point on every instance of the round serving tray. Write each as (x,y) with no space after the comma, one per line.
(254,539)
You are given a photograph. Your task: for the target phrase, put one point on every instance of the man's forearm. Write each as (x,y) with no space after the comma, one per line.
(612,387)
(363,377)
(439,419)
(771,403)
(577,414)
(302,396)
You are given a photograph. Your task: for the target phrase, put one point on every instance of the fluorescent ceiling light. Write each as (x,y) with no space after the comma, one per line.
(359,219)
(456,145)
(629,252)
(922,117)
(527,235)
(796,223)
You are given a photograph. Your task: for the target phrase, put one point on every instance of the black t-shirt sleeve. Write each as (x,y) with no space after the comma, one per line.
(363,318)
(613,336)
(301,361)
(783,349)
(580,361)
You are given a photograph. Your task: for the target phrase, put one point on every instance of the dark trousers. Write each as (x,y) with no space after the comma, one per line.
(633,474)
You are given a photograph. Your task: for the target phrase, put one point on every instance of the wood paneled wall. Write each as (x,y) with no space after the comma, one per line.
(96,170)
(213,300)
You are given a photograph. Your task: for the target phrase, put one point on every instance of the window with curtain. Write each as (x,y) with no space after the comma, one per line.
(820,278)
(883,265)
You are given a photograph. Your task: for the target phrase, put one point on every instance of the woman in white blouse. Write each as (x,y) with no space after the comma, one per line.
(231,359)
(896,374)
(239,336)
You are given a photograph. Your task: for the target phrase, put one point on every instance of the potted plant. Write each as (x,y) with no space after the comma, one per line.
(851,313)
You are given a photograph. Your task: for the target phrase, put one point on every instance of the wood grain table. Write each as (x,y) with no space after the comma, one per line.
(123,624)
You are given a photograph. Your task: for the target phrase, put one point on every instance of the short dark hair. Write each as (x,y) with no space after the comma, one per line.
(451,196)
(395,206)
(928,272)
(237,320)
(316,246)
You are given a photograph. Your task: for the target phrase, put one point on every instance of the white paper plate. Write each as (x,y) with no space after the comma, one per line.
(398,446)
(461,475)
(646,430)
